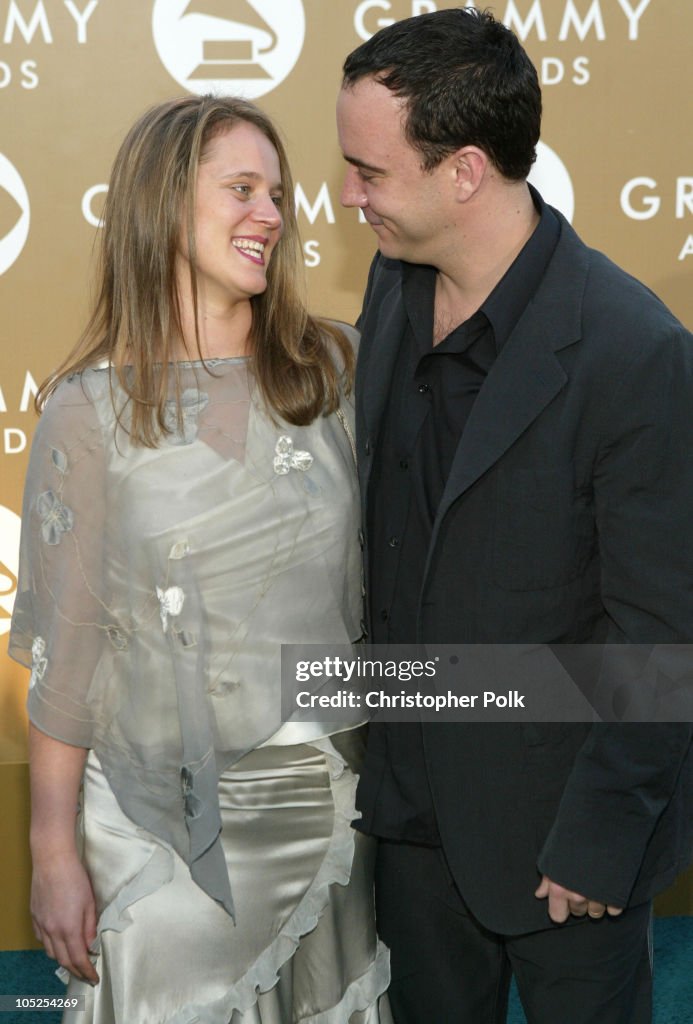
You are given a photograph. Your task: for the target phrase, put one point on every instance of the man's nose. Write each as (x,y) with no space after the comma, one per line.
(352,190)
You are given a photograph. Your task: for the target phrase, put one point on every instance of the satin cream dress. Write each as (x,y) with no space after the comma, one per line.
(156,587)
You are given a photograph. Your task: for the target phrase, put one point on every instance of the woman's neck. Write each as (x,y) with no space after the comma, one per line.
(222,334)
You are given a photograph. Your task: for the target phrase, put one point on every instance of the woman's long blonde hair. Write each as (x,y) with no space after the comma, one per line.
(136,314)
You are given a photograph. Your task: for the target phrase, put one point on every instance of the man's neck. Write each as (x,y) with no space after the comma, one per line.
(495,231)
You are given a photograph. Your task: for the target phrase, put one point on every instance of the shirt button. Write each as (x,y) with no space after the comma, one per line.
(383,614)
(424,389)
(361,539)
(367,446)
(394,542)
(404,464)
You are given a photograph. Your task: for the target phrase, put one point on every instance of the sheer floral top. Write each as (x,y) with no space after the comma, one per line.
(156,586)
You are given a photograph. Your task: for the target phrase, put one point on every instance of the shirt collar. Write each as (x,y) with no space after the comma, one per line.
(509,299)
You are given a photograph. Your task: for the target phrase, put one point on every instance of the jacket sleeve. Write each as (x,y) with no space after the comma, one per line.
(626,775)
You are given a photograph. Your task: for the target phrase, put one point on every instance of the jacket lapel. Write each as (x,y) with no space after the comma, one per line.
(381,326)
(527,374)
(384,331)
(523,380)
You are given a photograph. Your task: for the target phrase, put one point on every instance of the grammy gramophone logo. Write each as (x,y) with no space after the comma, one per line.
(233,58)
(246,47)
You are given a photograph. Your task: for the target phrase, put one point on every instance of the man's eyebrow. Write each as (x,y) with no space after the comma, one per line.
(361,165)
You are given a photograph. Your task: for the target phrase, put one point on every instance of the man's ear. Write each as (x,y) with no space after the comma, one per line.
(469,165)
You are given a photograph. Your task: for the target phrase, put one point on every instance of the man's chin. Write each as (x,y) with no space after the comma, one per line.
(388,246)
(394,250)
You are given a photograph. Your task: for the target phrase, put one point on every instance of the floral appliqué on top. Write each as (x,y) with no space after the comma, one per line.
(39,663)
(171,603)
(287,457)
(192,403)
(56,518)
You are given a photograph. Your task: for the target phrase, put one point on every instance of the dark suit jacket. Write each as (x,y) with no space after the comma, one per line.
(567,518)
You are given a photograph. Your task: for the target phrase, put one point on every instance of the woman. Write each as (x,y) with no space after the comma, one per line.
(190,506)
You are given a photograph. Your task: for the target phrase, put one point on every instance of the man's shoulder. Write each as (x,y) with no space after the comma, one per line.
(618,304)
(613,302)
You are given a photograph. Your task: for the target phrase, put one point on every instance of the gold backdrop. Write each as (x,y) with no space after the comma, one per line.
(616,157)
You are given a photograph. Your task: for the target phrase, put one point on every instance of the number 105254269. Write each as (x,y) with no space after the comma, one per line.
(8,1002)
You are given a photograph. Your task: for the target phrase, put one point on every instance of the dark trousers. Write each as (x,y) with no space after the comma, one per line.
(448,969)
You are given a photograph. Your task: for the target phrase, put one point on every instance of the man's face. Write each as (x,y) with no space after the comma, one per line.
(409,209)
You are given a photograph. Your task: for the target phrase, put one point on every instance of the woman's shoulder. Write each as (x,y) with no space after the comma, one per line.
(352,335)
(75,402)
(339,338)
(82,386)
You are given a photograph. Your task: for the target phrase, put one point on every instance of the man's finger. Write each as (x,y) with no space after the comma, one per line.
(558,908)
(542,890)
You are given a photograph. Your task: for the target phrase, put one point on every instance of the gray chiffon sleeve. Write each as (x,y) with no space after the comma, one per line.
(60,619)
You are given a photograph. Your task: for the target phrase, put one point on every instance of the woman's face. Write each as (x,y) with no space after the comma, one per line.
(238,220)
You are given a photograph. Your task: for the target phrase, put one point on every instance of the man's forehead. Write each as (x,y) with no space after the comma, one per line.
(371,106)
(369,89)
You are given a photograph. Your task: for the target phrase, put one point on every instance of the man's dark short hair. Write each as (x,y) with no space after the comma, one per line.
(466,81)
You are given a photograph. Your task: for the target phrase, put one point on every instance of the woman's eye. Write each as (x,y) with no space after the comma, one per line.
(244,190)
(277,200)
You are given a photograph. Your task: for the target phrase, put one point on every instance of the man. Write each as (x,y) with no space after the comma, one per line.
(524,419)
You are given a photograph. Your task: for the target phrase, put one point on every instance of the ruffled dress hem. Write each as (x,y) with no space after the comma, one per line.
(335,869)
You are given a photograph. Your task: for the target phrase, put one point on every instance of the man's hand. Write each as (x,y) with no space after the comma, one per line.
(563,903)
